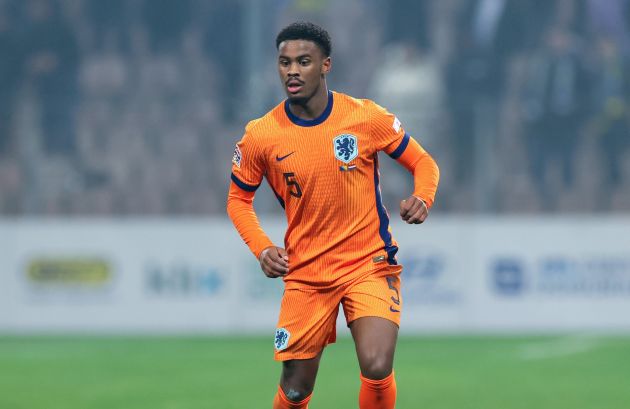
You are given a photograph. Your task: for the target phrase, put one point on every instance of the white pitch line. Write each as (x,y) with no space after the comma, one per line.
(570,345)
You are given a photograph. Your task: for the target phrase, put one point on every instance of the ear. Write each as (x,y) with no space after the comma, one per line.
(326,65)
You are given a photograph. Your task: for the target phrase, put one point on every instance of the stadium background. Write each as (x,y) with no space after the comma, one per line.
(123,284)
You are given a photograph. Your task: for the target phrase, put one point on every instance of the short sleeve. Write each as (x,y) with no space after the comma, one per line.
(248,165)
(388,134)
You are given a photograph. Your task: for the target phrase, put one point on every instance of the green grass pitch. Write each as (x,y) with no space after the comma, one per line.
(447,372)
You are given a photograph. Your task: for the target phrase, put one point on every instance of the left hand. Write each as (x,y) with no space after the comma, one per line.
(413,210)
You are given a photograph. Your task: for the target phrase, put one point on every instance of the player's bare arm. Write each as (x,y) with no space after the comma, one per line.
(274,262)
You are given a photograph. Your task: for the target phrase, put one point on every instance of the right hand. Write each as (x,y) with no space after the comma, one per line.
(274,262)
(413,210)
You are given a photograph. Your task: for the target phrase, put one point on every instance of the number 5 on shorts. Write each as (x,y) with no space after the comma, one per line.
(396,300)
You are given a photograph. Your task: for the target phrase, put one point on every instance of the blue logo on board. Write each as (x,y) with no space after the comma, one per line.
(509,276)
(346,148)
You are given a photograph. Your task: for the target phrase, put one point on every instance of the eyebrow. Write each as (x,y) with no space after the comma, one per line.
(297,58)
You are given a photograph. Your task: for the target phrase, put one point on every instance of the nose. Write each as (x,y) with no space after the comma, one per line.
(293,70)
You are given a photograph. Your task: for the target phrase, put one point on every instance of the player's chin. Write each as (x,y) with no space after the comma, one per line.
(296,98)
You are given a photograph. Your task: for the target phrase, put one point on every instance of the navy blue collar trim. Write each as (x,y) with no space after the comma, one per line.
(310,122)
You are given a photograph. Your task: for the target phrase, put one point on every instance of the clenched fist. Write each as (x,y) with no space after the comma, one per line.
(274,262)
(413,210)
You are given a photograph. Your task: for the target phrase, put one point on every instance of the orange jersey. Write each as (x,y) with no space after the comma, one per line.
(325,175)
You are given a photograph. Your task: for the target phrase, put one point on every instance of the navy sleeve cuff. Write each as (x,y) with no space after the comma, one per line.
(401,148)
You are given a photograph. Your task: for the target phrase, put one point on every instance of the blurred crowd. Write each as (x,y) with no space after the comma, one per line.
(132,107)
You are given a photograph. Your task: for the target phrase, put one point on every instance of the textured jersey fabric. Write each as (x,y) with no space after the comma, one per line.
(325,175)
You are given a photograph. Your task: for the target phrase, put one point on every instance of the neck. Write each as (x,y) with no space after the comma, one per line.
(312,107)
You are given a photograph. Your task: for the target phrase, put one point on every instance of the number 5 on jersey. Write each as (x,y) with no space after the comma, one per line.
(295,189)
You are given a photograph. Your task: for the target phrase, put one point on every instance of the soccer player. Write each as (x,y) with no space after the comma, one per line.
(318,150)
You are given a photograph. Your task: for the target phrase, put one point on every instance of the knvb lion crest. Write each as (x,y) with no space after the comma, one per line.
(346,148)
(282,339)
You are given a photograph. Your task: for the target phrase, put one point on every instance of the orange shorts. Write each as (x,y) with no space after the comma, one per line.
(308,316)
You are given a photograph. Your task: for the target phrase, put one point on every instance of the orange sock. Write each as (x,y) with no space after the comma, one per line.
(378,394)
(282,402)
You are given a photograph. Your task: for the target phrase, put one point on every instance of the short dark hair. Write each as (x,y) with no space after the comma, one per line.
(304,30)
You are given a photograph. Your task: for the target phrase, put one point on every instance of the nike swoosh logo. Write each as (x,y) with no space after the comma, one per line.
(392,309)
(281,158)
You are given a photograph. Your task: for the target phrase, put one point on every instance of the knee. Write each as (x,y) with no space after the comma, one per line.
(377,367)
(296,394)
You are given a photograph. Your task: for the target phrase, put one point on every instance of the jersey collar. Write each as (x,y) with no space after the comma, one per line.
(310,122)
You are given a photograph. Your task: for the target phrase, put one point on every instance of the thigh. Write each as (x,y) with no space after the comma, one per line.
(372,307)
(298,377)
(306,323)
(375,341)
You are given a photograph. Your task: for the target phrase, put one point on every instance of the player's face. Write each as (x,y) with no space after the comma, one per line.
(302,66)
